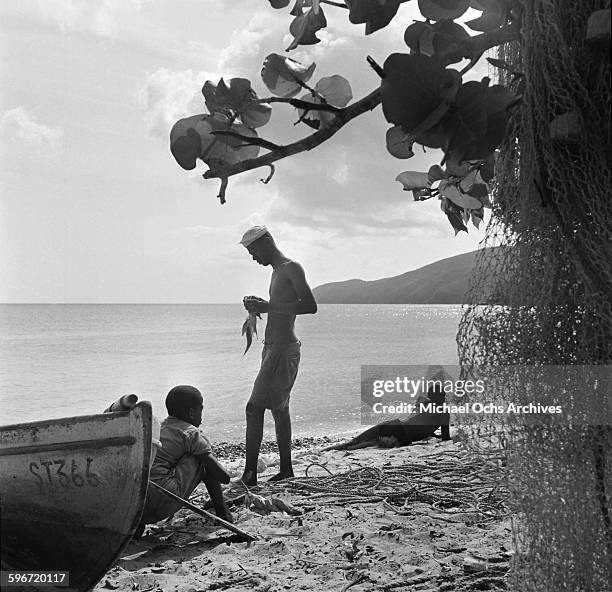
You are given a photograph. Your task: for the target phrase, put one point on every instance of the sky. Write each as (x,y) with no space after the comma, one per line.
(94,207)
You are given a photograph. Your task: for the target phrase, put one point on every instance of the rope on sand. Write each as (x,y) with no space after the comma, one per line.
(452,482)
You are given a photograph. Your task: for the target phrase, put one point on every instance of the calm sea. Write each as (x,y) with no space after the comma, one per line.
(63,360)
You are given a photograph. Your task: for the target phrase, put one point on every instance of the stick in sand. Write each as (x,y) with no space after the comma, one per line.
(213,517)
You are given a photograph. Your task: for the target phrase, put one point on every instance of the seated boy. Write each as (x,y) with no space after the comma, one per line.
(184,459)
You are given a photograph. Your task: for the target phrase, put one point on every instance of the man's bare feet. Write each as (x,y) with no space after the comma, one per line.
(281,476)
(249,478)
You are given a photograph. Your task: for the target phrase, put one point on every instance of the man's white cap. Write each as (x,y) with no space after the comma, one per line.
(252,234)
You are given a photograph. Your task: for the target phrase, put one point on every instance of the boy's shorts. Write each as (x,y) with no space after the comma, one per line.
(279,368)
(183,479)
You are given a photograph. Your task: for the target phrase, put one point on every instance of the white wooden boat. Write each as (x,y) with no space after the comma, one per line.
(72,491)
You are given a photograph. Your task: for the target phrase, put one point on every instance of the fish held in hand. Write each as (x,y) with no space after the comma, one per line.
(249,328)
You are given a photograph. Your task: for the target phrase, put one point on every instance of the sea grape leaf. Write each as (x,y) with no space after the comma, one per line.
(448,34)
(493,15)
(399,143)
(475,4)
(311,117)
(498,99)
(436,173)
(412,35)
(487,168)
(238,98)
(305,26)
(478,190)
(209,91)
(185,141)
(479,121)
(221,98)
(501,64)
(191,138)
(439,10)
(334,90)
(454,215)
(376,14)
(227,149)
(414,87)
(279,3)
(486,201)
(298,7)
(434,137)
(413,180)
(456,168)
(464,201)
(256,114)
(469,123)
(283,76)
(426,41)
(477,217)
(468,180)
(434,38)
(421,194)
(456,222)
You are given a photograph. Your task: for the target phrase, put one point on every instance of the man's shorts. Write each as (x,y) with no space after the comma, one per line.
(279,368)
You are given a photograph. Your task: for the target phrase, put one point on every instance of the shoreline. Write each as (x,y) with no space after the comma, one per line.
(429,516)
(232,451)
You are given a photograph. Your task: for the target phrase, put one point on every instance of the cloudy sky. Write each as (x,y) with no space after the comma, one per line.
(95,209)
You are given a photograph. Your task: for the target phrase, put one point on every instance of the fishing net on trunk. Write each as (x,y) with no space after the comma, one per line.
(549,270)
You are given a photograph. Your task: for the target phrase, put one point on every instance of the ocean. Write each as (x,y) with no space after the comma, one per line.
(75,359)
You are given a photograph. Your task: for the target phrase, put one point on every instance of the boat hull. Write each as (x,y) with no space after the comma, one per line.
(72,492)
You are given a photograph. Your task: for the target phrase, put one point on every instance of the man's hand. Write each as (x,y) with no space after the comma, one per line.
(255,304)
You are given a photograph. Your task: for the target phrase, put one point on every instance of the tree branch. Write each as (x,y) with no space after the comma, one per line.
(301,104)
(468,49)
(248,141)
(345,115)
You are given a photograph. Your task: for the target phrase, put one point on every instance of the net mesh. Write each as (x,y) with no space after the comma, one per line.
(550,274)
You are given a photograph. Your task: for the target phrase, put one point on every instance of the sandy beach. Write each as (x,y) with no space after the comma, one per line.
(430,516)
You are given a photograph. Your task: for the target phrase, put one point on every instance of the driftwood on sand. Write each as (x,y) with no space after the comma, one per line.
(228,525)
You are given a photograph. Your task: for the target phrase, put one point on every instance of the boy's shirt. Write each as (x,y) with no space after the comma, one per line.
(178,438)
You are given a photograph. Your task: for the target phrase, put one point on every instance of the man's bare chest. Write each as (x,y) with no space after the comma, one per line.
(281,288)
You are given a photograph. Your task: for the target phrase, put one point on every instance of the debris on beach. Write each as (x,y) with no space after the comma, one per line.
(265,505)
(429,517)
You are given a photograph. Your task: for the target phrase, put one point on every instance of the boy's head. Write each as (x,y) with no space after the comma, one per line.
(186,403)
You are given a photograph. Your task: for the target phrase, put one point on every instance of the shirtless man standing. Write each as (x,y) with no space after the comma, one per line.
(290,295)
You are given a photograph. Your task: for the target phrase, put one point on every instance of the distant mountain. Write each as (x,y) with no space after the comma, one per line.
(443,282)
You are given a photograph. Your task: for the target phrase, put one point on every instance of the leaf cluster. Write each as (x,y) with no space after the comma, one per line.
(426,101)
(226,134)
